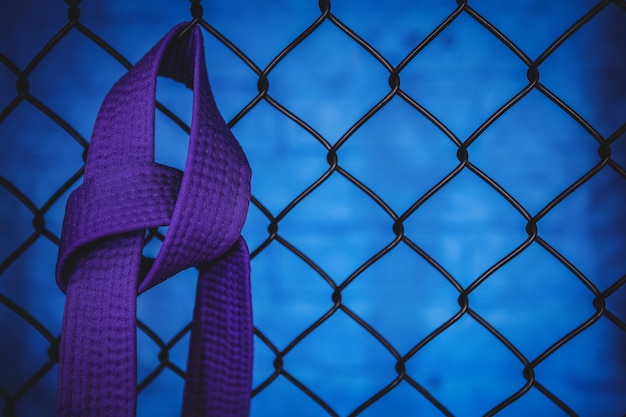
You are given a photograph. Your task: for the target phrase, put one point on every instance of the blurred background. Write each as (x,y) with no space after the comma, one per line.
(439,189)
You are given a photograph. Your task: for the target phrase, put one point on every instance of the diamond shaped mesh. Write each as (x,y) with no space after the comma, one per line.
(441,284)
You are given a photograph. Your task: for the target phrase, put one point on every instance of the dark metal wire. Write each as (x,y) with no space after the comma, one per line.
(11,396)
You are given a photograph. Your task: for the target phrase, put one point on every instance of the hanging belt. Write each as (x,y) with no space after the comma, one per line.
(101,268)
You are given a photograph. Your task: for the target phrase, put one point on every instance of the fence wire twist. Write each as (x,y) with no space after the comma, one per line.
(11,396)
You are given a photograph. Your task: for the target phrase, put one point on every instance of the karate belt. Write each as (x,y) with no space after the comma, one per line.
(101,268)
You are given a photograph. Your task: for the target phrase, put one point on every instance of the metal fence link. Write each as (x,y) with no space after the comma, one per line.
(12,395)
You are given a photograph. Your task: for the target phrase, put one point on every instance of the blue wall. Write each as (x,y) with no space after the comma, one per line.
(534,151)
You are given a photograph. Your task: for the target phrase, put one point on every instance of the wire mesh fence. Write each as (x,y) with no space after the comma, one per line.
(337,277)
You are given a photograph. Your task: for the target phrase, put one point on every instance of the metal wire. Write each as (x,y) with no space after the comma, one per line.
(11,396)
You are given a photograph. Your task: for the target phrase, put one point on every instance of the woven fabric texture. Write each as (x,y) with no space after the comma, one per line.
(101,267)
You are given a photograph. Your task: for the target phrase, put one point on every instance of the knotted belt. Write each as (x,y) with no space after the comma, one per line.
(101,268)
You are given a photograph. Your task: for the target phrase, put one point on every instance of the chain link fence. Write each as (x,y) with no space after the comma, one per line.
(325,286)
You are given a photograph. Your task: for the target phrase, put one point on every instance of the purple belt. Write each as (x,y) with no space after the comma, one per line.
(101,268)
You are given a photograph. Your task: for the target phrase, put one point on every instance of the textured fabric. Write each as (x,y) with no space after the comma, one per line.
(100,265)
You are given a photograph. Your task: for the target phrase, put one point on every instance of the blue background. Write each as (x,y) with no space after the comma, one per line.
(534,151)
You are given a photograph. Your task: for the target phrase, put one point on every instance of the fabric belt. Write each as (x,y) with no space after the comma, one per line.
(101,268)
